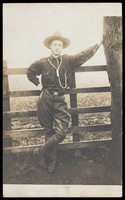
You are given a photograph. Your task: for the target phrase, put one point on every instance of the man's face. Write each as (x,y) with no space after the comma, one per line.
(56,47)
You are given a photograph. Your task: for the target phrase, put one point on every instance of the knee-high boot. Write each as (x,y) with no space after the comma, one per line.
(48,154)
(50,145)
(51,159)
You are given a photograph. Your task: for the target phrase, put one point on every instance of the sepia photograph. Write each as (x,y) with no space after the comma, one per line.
(62,100)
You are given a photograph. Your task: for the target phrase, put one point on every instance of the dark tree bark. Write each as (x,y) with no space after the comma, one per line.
(112,27)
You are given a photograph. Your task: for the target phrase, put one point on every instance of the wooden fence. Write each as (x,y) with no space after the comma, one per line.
(8,134)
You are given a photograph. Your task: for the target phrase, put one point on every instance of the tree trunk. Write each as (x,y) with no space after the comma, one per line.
(112,27)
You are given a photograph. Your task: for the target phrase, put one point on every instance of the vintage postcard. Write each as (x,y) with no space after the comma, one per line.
(62,100)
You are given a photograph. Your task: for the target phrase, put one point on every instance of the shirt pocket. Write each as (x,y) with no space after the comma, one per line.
(47,77)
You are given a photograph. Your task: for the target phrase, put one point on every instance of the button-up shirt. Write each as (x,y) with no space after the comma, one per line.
(45,68)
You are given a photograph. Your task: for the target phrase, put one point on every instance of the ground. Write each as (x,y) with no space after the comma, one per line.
(93,167)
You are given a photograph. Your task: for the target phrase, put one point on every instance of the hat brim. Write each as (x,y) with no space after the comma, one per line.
(47,41)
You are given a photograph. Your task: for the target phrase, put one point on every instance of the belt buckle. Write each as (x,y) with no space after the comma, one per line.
(55,93)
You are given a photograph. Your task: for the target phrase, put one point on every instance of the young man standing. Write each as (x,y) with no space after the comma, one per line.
(51,107)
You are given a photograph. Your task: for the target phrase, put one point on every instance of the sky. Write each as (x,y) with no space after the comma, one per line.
(26,25)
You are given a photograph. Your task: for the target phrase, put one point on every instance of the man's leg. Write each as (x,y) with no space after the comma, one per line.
(45,112)
(61,118)
(45,117)
(52,157)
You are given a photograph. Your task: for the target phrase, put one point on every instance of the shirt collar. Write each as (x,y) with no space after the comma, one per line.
(52,58)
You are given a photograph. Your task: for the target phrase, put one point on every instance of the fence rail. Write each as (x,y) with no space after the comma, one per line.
(33,113)
(62,146)
(66,91)
(75,129)
(40,131)
(20,71)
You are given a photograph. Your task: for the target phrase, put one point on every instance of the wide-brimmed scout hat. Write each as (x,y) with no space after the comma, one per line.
(56,36)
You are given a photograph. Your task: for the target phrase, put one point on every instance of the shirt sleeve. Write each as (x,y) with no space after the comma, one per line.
(34,70)
(83,56)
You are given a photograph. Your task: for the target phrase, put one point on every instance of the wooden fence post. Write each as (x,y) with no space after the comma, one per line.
(6,105)
(113,52)
(73,104)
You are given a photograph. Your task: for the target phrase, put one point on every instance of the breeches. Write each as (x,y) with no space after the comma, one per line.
(52,114)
